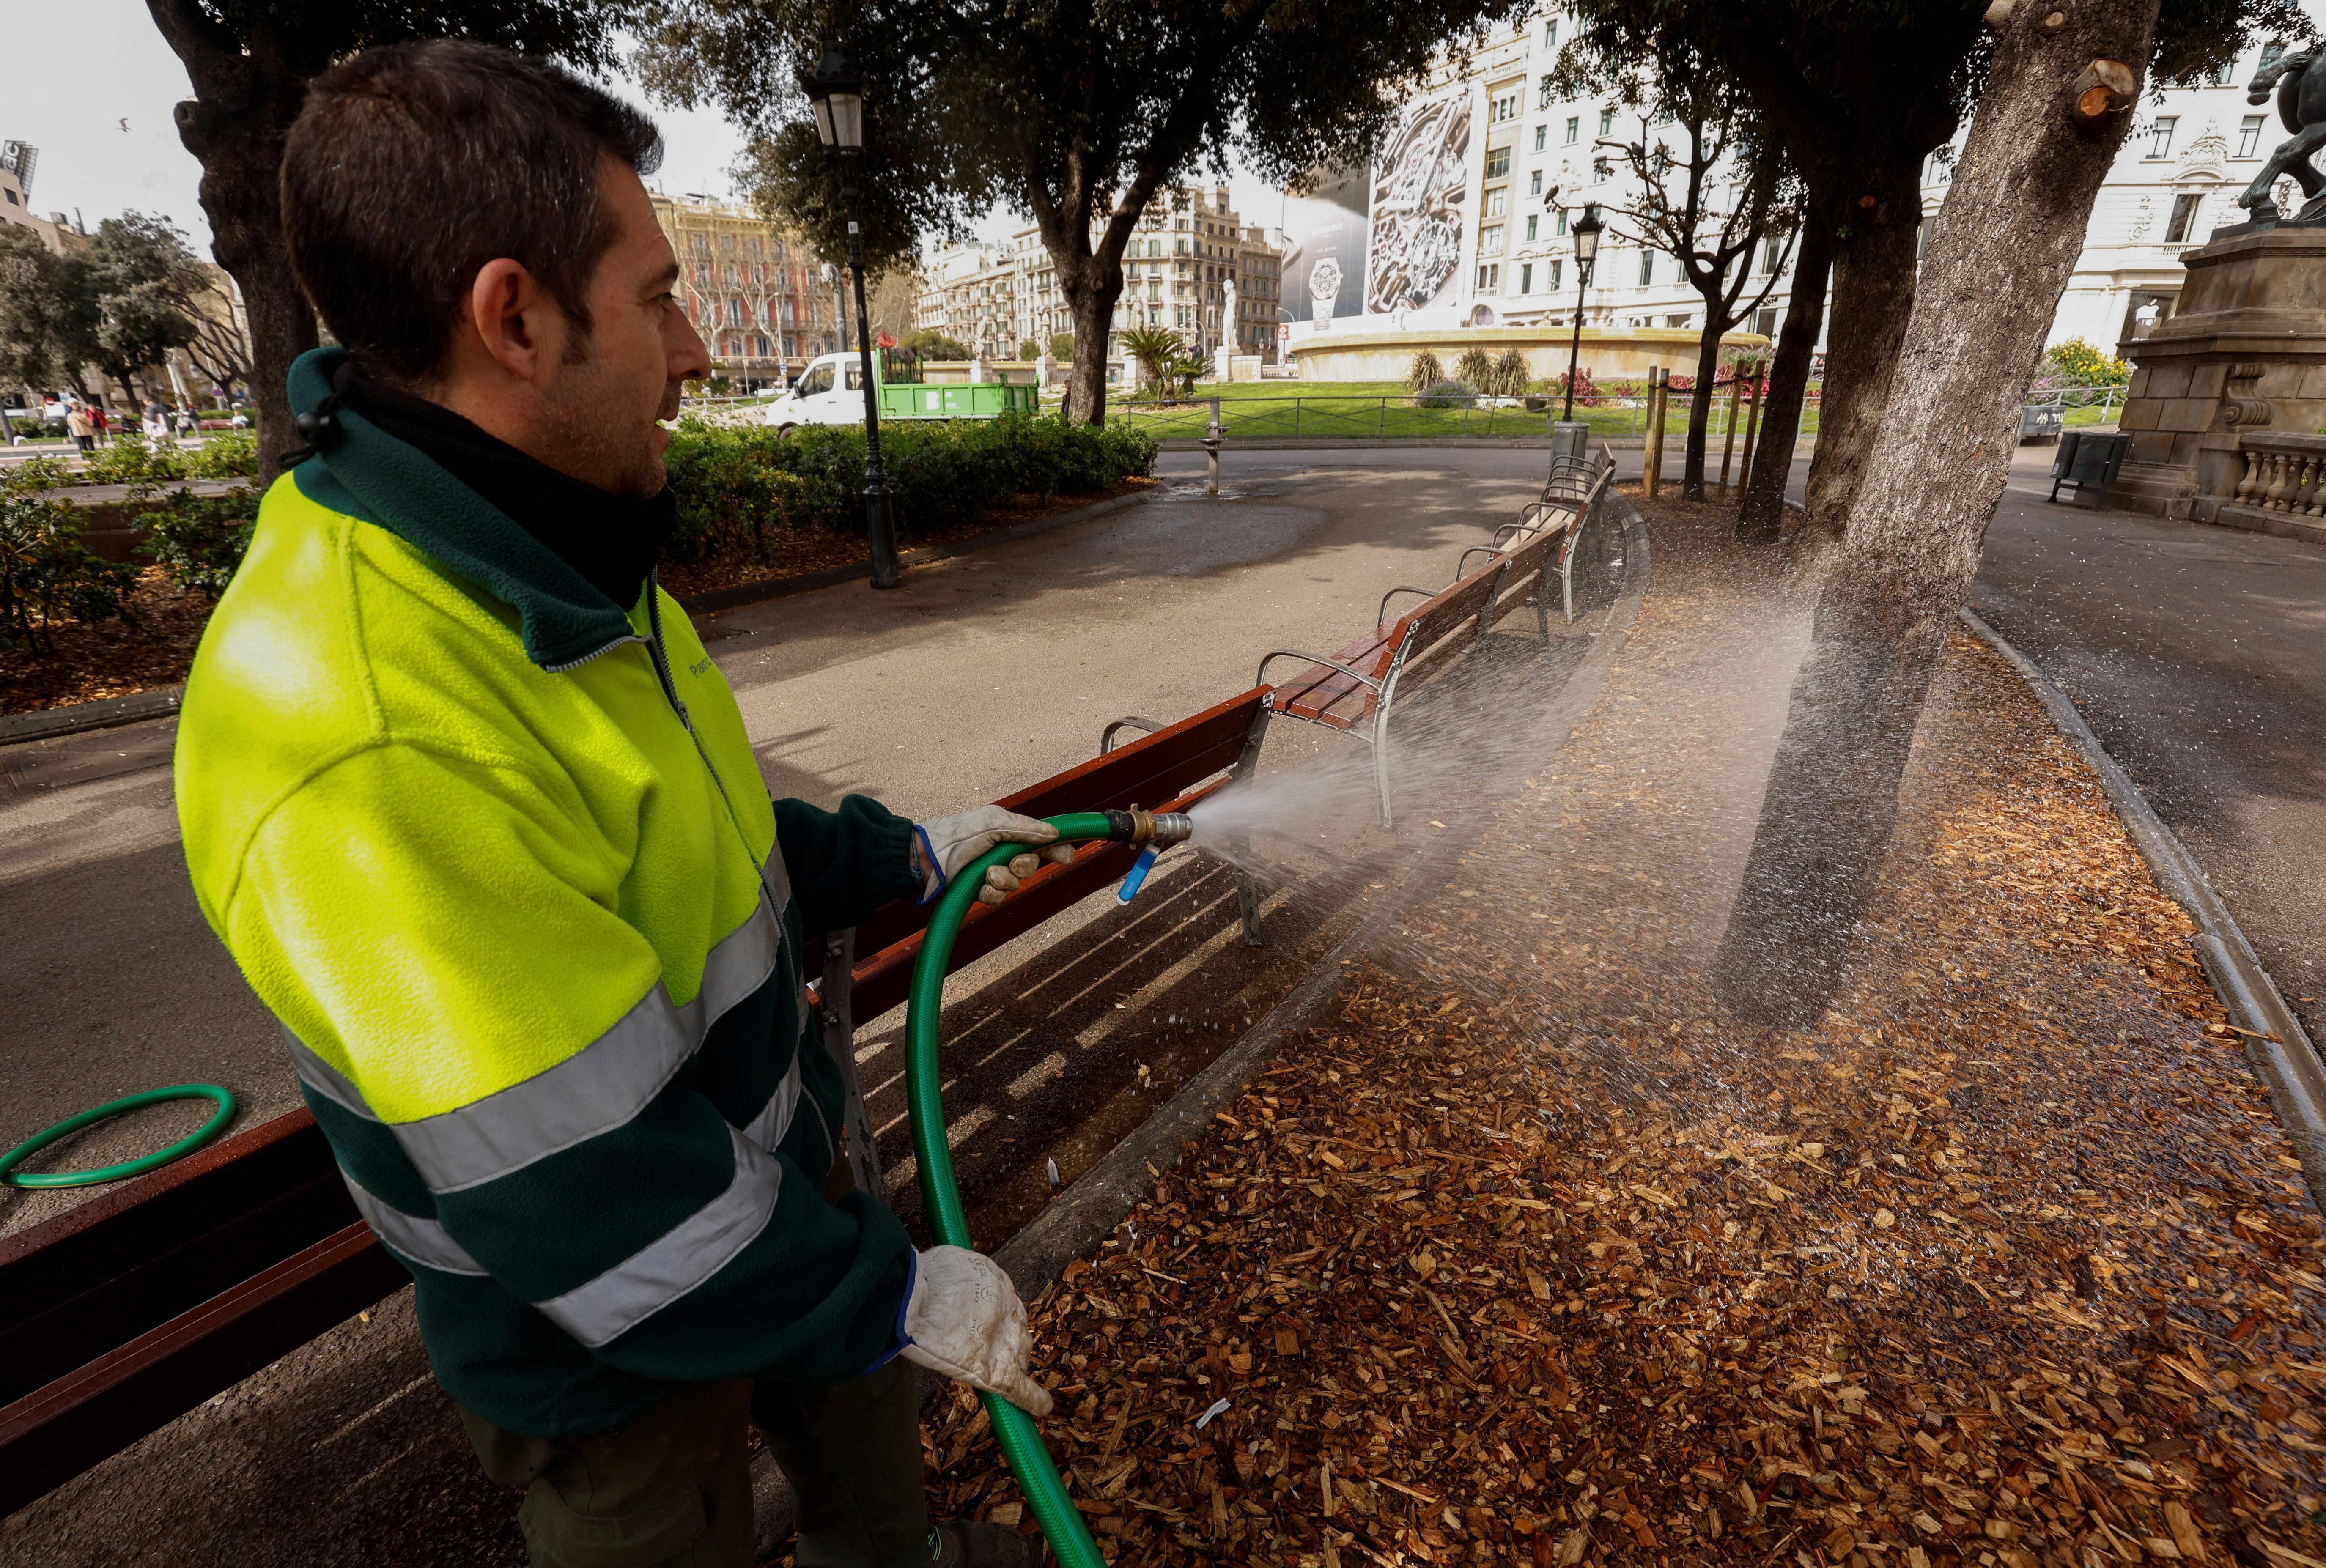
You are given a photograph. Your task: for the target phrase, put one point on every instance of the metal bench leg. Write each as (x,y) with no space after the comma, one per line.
(1566,577)
(1248,763)
(834,993)
(1381,763)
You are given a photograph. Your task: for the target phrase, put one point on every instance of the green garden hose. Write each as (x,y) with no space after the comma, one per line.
(1020,1440)
(11,1176)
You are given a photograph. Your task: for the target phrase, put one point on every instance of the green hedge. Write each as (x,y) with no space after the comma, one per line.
(128,461)
(737,488)
(46,573)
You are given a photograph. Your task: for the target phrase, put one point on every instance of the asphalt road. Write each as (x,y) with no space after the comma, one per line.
(2198,654)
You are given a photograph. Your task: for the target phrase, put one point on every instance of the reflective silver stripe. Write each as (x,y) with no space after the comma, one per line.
(424,1241)
(598,1089)
(677,1261)
(775,1119)
(325,1078)
(734,969)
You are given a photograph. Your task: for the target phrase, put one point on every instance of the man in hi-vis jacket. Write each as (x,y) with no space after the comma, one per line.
(480,821)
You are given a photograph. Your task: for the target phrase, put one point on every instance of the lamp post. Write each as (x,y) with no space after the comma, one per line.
(837,96)
(1586,250)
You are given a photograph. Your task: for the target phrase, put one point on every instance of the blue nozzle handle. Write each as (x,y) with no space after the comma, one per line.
(1137,875)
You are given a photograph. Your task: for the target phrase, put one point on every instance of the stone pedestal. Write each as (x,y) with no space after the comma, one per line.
(2245,353)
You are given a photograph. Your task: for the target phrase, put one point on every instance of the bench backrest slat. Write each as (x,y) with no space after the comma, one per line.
(1148,771)
(1445,624)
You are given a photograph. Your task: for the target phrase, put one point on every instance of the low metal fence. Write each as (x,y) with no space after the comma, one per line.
(1377,416)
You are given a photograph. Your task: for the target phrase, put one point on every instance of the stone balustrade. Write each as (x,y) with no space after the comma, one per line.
(2284,473)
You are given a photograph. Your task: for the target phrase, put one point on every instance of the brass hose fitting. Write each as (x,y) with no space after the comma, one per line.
(1137,827)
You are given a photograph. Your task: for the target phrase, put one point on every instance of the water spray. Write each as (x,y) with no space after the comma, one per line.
(1020,1440)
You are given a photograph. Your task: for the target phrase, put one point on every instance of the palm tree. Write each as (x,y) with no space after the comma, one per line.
(1154,347)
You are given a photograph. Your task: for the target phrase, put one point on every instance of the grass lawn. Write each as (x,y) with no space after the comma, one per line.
(1285,410)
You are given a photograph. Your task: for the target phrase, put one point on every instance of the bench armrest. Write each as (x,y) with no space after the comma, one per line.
(1380,615)
(1128,722)
(1359,676)
(1461,567)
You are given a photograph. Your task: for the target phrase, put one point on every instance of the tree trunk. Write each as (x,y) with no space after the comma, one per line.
(245,99)
(1760,520)
(1873,288)
(1090,298)
(1699,403)
(2007,242)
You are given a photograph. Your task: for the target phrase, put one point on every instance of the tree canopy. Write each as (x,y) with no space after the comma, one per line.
(132,291)
(1077,114)
(35,313)
(250,61)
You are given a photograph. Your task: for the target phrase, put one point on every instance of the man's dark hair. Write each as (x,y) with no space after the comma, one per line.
(412,165)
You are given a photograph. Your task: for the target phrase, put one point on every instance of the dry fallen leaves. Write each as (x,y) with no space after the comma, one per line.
(1546,1259)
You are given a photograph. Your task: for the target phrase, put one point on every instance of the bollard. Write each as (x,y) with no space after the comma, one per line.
(1728,440)
(1568,438)
(1652,457)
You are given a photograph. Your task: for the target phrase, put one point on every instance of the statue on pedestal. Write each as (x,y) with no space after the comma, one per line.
(2301,82)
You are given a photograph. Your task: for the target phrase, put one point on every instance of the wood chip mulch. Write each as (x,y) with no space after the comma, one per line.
(100,659)
(1535,1255)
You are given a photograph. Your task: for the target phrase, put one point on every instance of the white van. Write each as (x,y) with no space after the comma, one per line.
(830,391)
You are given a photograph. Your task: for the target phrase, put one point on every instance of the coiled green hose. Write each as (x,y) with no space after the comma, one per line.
(1020,1440)
(12,1177)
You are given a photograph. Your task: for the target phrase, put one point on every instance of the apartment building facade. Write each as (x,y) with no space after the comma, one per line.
(17,161)
(1463,220)
(1192,266)
(763,303)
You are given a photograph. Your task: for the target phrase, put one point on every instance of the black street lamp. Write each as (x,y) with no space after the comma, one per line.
(837,96)
(1586,250)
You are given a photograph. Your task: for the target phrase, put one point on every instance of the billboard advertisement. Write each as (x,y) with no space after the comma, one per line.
(1325,256)
(1413,259)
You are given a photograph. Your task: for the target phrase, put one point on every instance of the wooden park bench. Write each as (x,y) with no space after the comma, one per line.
(1355,689)
(125,1312)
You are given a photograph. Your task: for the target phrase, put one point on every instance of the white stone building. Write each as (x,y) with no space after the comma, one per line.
(1452,226)
(1189,246)
(2193,149)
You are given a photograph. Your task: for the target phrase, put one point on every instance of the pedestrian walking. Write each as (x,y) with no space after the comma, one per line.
(104,426)
(481,822)
(79,425)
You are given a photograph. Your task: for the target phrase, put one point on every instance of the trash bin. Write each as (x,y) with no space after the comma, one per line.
(1568,438)
(2087,464)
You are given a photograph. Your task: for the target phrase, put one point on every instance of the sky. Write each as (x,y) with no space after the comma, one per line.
(91,84)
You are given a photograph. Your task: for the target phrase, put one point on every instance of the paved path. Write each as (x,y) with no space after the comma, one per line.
(2198,654)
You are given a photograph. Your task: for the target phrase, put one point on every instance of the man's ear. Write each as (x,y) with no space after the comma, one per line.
(516,321)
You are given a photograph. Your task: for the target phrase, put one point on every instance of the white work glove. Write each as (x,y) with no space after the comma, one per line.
(963,1319)
(944,846)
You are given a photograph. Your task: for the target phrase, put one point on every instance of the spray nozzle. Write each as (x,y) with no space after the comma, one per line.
(1158,830)
(1159,827)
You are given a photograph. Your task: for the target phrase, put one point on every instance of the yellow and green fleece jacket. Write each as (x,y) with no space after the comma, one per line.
(497,852)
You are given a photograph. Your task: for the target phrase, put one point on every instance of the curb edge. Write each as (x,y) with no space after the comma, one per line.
(104,713)
(2280,1053)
